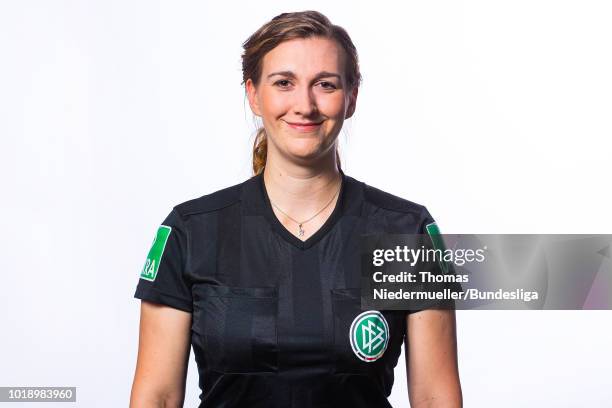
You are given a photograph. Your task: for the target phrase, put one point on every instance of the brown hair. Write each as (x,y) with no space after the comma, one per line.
(284,27)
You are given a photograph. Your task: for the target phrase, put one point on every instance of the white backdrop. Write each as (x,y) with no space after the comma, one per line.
(494,114)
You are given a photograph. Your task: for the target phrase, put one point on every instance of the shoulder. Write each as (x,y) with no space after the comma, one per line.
(382,199)
(392,212)
(210,202)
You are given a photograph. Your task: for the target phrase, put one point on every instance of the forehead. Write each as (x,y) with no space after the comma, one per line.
(305,56)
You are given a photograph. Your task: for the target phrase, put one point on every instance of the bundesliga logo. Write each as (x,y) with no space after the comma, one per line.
(369,335)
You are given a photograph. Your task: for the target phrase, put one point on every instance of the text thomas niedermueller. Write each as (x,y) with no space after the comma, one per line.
(456,256)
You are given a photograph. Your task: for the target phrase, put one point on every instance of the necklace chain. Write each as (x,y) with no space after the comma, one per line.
(300,224)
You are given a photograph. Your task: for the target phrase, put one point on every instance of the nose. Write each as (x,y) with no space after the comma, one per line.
(304,102)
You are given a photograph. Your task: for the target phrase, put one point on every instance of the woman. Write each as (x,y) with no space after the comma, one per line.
(263,279)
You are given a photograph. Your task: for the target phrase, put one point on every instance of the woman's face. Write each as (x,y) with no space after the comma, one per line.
(302,98)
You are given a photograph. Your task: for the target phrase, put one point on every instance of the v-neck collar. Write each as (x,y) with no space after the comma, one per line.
(284,232)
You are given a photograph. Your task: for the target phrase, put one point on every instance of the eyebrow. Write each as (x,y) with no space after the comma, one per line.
(322,74)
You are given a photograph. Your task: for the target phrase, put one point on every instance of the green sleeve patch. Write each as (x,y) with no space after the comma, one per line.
(438,243)
(149,271)
(434,234)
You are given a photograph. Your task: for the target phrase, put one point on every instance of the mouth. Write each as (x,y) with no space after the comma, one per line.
(304,126)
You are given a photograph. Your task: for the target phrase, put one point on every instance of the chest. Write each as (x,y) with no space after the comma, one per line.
(264,306)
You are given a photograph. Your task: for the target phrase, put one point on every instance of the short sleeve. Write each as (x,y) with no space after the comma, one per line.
(429,230)
(426,221)
(163,277)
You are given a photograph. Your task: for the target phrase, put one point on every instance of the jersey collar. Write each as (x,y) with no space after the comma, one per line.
(256,202)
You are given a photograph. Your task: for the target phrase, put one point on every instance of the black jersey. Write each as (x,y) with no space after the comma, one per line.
(276,320)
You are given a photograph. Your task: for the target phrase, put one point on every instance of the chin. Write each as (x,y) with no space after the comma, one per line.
(305,148)
(305,156)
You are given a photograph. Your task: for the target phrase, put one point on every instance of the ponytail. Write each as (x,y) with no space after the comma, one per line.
(260,151)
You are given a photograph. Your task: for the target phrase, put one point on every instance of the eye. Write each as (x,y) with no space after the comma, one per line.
(283,83)
(327,85)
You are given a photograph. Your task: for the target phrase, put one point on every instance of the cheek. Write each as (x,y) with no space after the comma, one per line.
(273,104)
(332,105)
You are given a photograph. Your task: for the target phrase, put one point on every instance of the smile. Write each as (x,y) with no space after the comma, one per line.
(305,127)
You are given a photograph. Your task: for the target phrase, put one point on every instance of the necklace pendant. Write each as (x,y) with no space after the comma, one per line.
(300,231)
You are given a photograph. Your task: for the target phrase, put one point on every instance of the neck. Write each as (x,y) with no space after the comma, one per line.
(301,191)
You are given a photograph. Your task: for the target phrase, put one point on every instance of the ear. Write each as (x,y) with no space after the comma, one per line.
(352,102)
(252,95)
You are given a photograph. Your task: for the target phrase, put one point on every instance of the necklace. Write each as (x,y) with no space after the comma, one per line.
(300,224)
